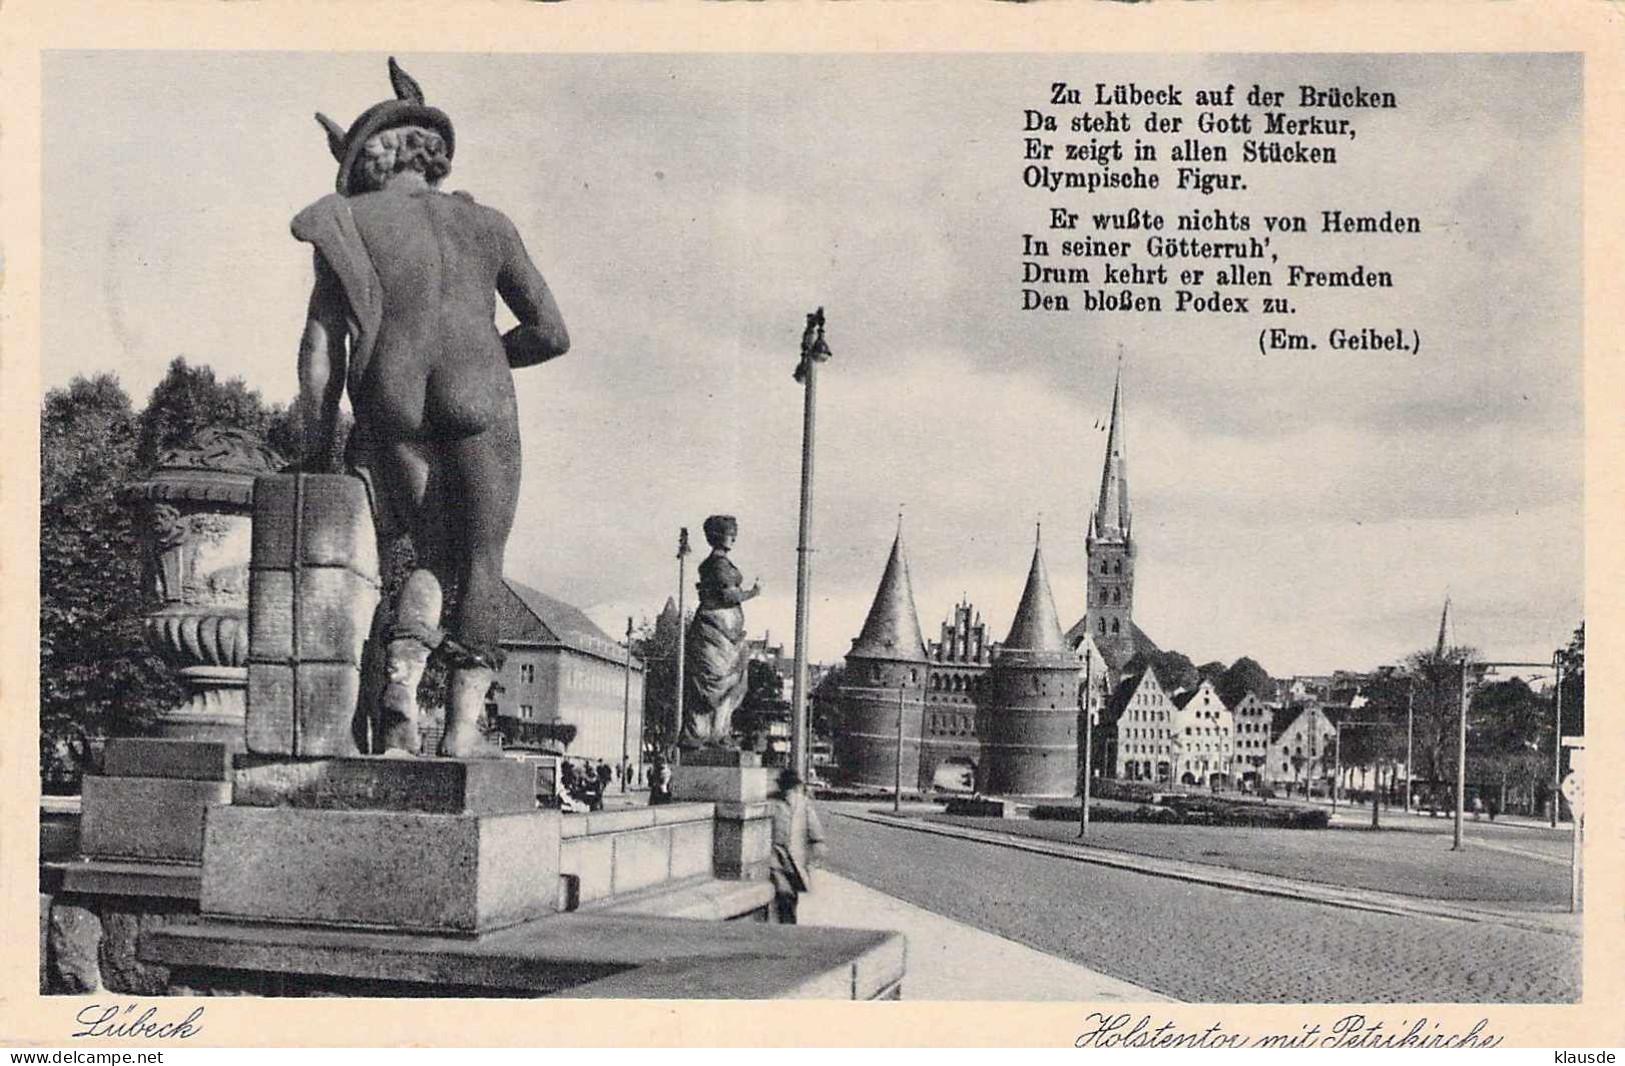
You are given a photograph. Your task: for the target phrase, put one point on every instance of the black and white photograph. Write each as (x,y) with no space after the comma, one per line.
(1060,527)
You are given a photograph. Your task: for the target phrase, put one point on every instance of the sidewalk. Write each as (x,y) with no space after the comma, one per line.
(948,960)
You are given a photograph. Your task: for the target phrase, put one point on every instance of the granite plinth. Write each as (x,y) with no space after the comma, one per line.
(429,786)
(187,760)
(577,955)
(404,870)
(146,818)
(743,841)
(710,784)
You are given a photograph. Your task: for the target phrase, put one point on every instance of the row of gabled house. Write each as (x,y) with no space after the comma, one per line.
(1191,736)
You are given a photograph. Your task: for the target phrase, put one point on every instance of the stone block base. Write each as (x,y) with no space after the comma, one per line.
(441,873)
(429,786)
(719,784)
(147,818)
(577,955)
(743,841)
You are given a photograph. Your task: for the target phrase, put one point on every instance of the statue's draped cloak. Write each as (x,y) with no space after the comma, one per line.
(329,226)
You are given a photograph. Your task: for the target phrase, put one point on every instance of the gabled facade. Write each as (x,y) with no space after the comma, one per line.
(1143,713)
(1203,737)
(1253,718)
(1299,747)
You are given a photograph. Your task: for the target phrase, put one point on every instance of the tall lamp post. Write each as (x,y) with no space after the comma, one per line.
(1410,726)
(1557,739)
(682,583)
(813,352)
(626,711)
(1088,741)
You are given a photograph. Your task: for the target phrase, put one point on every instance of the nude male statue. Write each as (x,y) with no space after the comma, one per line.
(402,315)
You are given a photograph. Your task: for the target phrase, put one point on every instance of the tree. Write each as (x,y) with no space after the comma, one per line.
(1244,676)
(97,675)
(189,399)
(1574,684)
(657,644)
(1437,674)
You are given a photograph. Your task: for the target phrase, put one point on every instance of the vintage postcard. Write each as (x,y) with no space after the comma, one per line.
(1077,524)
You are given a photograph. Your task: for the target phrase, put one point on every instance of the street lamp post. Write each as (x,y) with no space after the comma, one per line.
(813,352)
(1088,742)
(1410,724)
(1557,741)
(682,582)
(626,711)
(1461,759)
(897,780)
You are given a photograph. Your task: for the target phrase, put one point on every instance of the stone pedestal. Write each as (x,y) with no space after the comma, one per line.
(738,784)
(149,804)
(421,845)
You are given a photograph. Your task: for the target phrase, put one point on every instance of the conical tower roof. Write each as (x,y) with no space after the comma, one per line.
(1112,514)
(1037,627)
(892,630)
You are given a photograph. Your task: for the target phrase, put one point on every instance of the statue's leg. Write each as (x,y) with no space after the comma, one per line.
(401,484)
(412,637)
(486,469)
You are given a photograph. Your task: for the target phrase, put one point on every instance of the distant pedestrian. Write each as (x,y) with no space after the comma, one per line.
(660,785)
(798,842)
(605,775)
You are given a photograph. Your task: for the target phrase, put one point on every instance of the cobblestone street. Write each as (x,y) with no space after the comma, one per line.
(1201,943)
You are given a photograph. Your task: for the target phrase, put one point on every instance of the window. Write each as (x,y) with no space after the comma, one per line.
(1117,595)
(527,711)
(1114,625)
(1119,566)
(1103,625)
(527,673)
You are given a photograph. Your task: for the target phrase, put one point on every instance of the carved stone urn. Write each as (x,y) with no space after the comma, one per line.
(195,515)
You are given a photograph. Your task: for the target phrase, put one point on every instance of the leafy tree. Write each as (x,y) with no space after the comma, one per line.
(188,400)
(97,676)
(1174,670)
(1211,671)
(1574,684)
(657,644)
(1437,676)
(1244,676)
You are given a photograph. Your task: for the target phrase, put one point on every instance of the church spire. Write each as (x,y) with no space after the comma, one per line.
(892,630)
(1036,628)
(1111,518)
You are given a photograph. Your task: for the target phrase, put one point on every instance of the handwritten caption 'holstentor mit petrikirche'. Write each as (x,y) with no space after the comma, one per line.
(1125,1030)
(1176,199)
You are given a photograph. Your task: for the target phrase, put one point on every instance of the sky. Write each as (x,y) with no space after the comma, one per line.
(1309,509)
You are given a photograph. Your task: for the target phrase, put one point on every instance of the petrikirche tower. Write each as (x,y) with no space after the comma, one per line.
(1109,547)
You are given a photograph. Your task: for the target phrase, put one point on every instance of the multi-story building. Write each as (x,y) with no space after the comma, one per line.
(1140,714)
(565,682)
(1299,746)
(1203,735)
(1253,718)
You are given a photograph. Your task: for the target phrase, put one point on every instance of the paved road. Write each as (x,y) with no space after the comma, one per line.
(1198,943)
